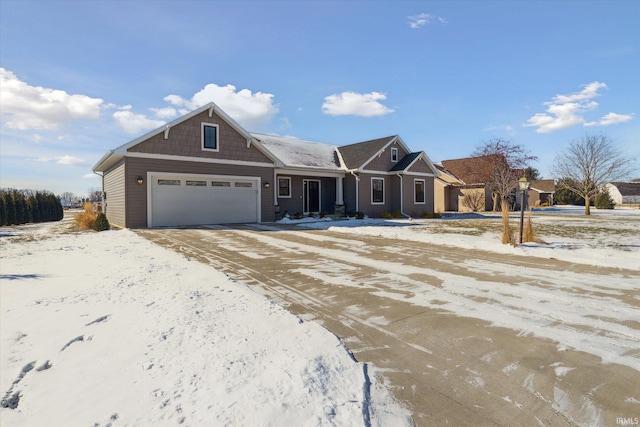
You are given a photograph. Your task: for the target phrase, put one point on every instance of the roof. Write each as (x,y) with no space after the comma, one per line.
(113,156)
(543,185)
(294,152)
(472,170)
(358,154)
(406,162)
(628,188)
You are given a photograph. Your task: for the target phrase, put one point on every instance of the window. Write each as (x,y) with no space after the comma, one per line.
(244,185)
(209,137)
(377,190)
(196,183)
(394,155)
(220,184)
(284,187)
(419,191)
(168,182)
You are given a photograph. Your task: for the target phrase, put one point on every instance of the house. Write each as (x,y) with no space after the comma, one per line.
(541,192)
(204,168)
(447,190)
(624,193)
(466,189)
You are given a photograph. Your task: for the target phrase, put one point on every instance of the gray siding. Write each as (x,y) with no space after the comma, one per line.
(185,140)
(136,195)
(417,209)
(115,191)
(294,203)
(384,163)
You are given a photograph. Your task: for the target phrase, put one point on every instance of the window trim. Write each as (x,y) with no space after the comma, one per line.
(424,191)
(394,154)
(375,178)
(217,128)
(287,178)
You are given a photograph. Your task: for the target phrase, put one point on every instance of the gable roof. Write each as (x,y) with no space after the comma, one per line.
(115,155)
(628,188)
(406,161)
(543,185)
(358,155)
(294,152)
(472,170)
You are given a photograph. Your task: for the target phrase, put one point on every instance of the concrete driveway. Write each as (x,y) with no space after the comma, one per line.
(446,368)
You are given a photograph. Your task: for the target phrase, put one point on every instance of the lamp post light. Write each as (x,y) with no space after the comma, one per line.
(524,186)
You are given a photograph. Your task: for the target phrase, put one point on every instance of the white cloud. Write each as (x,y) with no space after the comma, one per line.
(567,110)
(251,110)
(135,123)
(165,113)
(356,104)
(418,21)
(611,119)
(64,160)
(33,107)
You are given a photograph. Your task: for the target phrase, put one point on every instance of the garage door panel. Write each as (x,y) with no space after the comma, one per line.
(220,201)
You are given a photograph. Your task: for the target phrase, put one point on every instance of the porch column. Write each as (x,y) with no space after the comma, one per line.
(339,198)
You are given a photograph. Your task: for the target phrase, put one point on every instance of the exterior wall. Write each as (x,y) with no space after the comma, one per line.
(114,188)
(384,163)
(136,194)
(295,203)
(185,139)
(411,208)
(480,191)
(374,210)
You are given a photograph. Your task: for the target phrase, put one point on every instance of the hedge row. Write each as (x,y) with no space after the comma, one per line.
(24,206)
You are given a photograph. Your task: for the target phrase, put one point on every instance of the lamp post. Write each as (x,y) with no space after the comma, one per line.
(524,186)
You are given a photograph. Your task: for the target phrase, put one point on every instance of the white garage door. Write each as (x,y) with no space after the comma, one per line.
(195,200)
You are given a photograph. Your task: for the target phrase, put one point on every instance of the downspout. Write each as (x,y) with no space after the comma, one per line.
(104,195)
(357,177)
(399,175)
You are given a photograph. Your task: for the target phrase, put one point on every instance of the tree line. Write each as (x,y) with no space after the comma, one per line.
(26,206)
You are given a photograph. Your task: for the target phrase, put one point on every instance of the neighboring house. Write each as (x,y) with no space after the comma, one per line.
(447,190)
(470,192)
(204,168)
(624,193)
(541,192)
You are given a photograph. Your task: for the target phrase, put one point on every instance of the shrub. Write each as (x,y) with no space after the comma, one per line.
(604,200)
(359,215)
(473,201)
(297,215)
(310,215)
(101,223)
(428,215)
(386,215)
(86,219)
(324,214)
(528,234)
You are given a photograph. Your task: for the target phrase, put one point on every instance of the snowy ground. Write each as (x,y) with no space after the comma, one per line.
(109,329)
(608,238)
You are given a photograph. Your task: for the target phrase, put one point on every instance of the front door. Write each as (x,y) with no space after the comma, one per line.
(311,195)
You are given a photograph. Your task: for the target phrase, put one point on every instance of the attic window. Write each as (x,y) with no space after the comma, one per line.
(209,137)
(394,155)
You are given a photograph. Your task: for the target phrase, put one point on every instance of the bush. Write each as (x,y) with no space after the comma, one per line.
(297,215)
(386,215)
(428,215)
(359,215)
(528,235)
(604,200)
(101,223)
(324,214)
(86,219)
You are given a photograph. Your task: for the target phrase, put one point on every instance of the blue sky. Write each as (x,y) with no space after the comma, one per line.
(81,77)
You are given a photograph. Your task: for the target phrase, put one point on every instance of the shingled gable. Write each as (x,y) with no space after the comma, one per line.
(114,156)
(358,155)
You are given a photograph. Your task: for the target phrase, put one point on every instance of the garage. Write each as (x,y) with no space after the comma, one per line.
(178,200)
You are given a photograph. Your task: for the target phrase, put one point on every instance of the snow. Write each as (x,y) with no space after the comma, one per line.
(108,328)
(297,152)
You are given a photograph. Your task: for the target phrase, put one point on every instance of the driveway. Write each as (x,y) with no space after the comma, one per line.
(387,300)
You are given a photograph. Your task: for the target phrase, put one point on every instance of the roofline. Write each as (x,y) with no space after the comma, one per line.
(378,153)
(118,153)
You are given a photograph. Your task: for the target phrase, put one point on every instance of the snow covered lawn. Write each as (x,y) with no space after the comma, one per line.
(109,329)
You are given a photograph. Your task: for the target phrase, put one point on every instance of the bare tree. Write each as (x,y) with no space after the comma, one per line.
(508,163)
(474,201)
(589,163)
